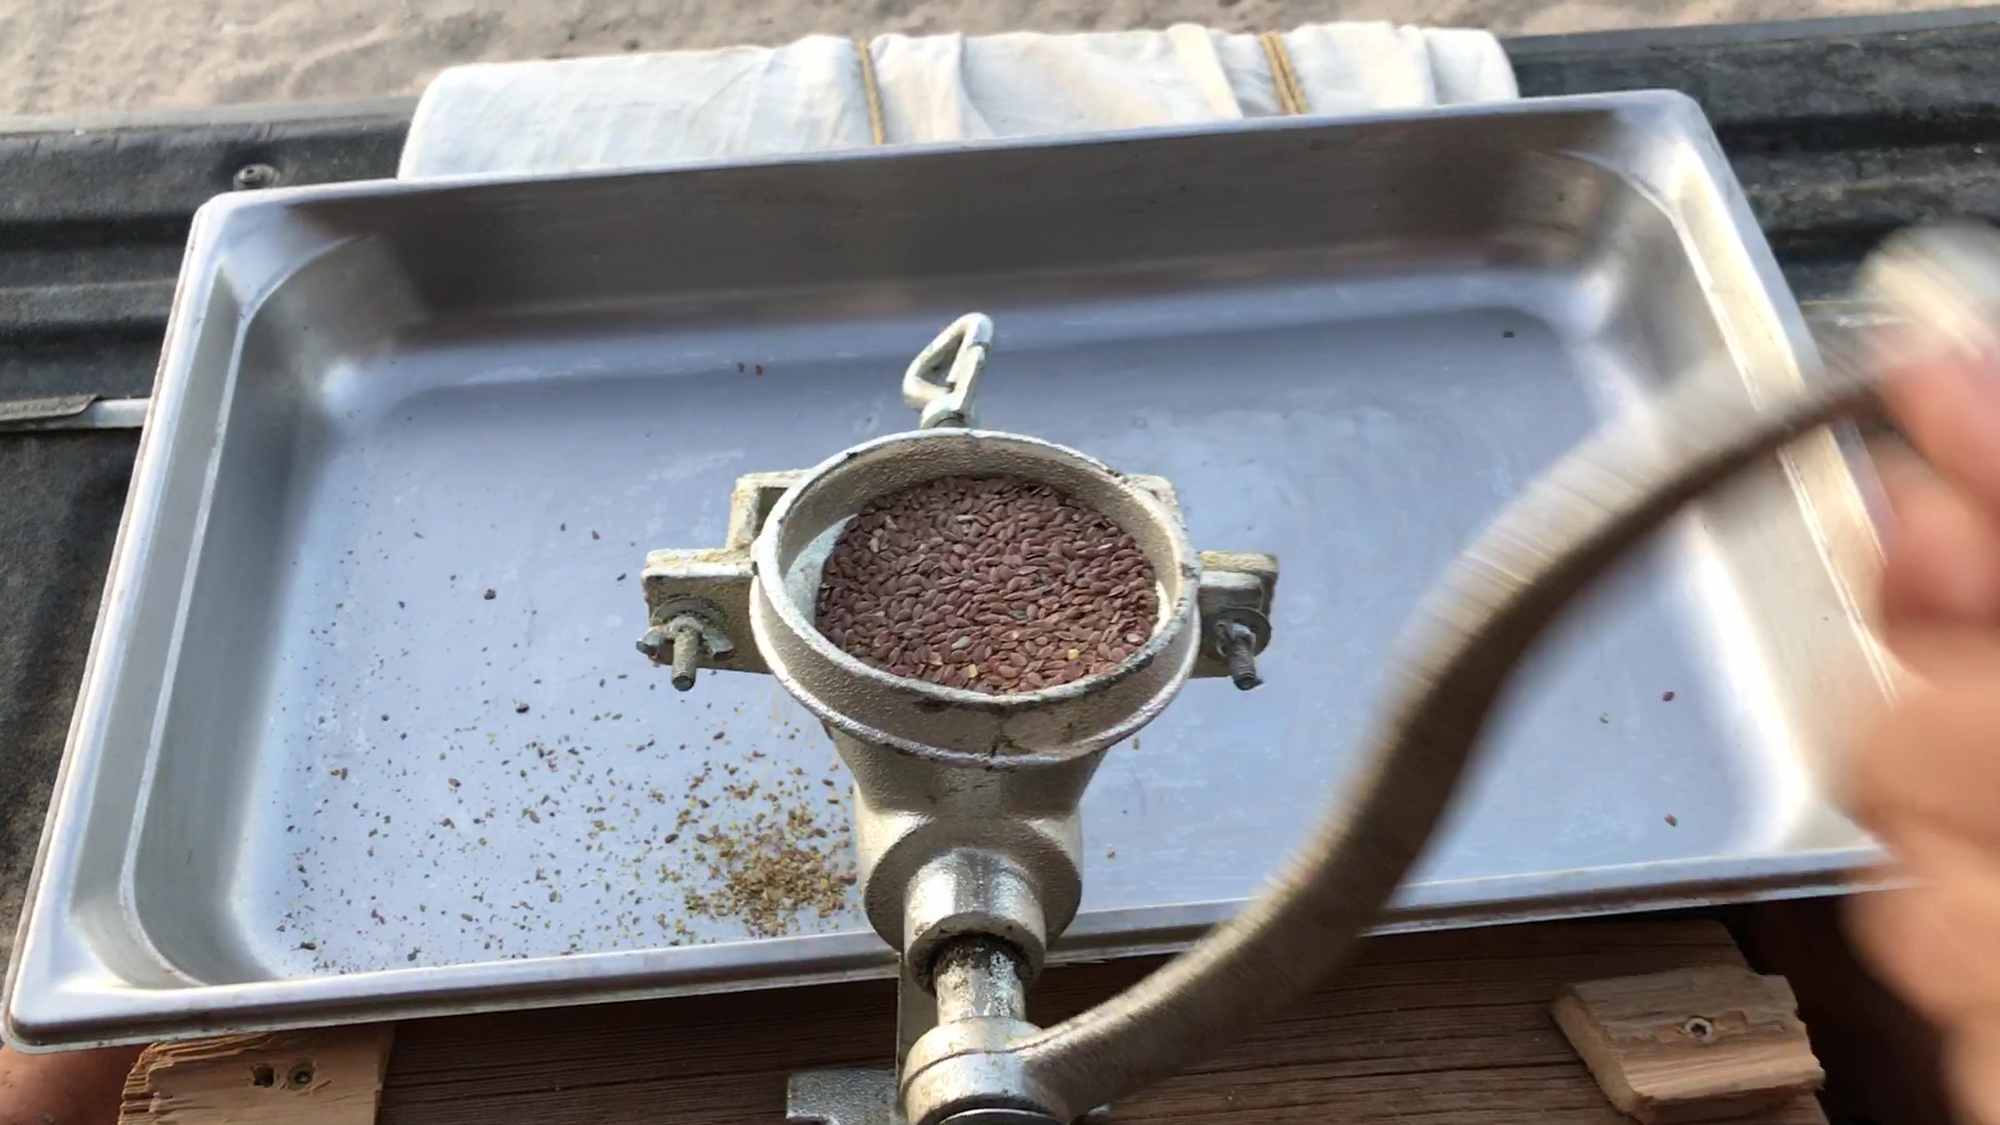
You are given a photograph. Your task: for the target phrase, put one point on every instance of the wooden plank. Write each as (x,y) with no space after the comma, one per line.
(1442,1027)
(1692,1044)
(330,1076)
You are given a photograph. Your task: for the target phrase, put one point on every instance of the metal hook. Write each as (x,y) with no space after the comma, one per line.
(941,379)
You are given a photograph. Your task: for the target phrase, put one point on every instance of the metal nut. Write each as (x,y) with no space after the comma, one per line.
(250,177)
(1236,637)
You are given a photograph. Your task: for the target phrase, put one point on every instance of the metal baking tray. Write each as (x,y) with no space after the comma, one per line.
(318,774)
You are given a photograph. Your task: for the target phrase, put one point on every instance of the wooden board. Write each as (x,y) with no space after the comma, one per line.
(328,1076)
(1443,1028)
(1691,1044)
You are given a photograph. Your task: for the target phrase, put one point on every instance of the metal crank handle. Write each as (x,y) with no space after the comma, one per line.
(1451,663)
(1449,667)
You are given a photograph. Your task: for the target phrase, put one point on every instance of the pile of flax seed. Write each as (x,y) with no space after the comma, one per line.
(995,584)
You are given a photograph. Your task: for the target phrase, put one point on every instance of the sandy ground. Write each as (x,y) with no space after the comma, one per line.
(67,56)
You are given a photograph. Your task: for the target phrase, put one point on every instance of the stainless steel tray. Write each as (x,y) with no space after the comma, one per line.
(317,774)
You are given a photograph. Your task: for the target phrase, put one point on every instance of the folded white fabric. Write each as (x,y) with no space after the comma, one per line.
(822,92)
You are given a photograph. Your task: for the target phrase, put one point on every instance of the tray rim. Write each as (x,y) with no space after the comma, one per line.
(50,1005)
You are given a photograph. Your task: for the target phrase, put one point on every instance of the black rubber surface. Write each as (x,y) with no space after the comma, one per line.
(1840,130)
(60,499)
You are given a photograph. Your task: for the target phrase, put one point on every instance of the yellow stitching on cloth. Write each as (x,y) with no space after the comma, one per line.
(870,89)
(1291,99)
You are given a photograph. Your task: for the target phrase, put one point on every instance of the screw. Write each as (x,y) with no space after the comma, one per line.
(686,634)
(1699,1028)
(1238,645)
(253,176)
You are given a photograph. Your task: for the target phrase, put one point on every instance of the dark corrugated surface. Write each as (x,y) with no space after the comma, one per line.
(92,223)
(63,493)
(1839,136)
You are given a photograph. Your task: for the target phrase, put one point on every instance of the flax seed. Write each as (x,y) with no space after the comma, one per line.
(987,583)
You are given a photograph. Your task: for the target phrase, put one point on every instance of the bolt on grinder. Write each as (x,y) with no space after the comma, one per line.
(966,803)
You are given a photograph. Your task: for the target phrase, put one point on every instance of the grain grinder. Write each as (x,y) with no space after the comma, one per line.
(966,804)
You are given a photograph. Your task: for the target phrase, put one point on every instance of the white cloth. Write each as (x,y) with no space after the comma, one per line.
(812,95)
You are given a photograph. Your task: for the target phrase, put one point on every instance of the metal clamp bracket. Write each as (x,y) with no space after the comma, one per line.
(1235,604)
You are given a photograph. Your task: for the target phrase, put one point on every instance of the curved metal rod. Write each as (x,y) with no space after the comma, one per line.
(1468,637)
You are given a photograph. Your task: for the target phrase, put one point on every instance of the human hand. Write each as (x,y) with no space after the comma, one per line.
(69,1088)
(1927,780)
